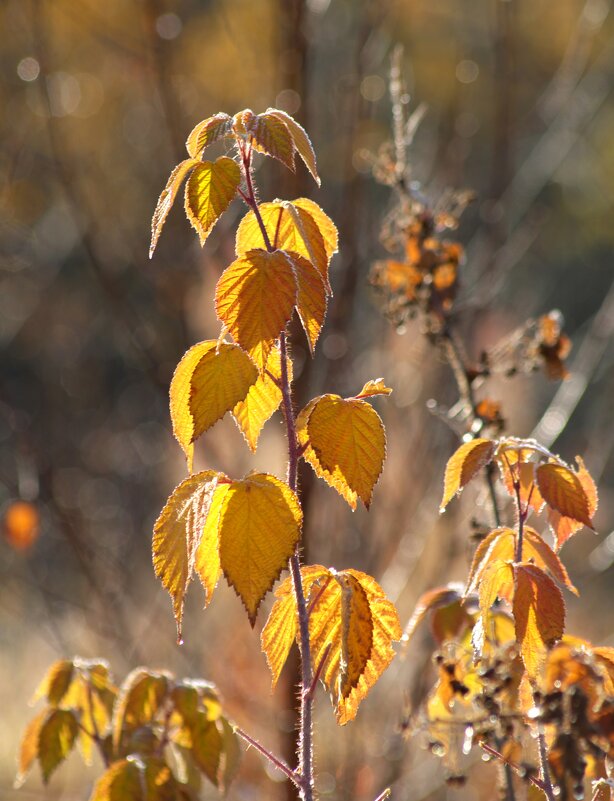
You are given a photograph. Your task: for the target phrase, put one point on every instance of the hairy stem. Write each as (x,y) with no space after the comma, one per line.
(522,516)
(303,776)
(545,769)
(278,763)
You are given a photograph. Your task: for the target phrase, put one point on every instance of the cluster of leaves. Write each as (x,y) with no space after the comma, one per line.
(157,736)
(507,672)
(248,529)
(506,666)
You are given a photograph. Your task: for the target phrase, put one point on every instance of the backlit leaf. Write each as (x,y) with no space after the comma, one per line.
(562,490)
(56,683)
(429,601)
(386,630)
(207,556)
(167,198)
(301,141)
(92,695)
(177,533)
(137,779)
(207,746)
(262,400)
(347,445)
(140,698)
(539,615)
(260,524)
(311,298)
(374,387)
(209,191)
(207,132)
(122,781)
(517,465)
(28,749)
(281,628)
(272,136)
(565,527)
(500,544)
(231,753)
(298,227)
(497,582)
(56,739)
(254,298)
(208,382)
(464,465)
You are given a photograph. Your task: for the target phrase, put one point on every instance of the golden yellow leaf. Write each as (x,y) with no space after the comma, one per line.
(122,781)
(463,465)
(340,622)
(208,382)
(261,401)
(326,227)
(374,387)
(518,465)
(281,628)
(28,748)
(539,615)
(497,582)
(291,228)
(207,556)
(206,746)
(563,491)
(272,137)
(207,132)
(92,695)
(209,191)
(347,445)
(260,525)
(386,630)
(167,198)
(500,544)
(254,298)
(177,533)
(430,600)
(301,141)
(56,738)
(311,299)
(56,682)
(565,527)
(140,697)
(537,551)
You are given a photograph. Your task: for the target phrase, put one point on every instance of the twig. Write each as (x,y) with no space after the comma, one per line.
(278,763)
(545,769)
(513,765)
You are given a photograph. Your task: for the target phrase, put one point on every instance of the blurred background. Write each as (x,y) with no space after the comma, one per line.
(97,102)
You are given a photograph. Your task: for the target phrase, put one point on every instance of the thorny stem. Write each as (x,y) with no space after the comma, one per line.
(545,769)
(303,777)
(513,766)
(279,764)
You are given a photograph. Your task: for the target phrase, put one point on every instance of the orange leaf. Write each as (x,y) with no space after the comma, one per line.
(464,464)
(539,615)
(563,491)
(272,137)
(254,298)
(167,198)
(301,140)
(433,599)
(565,527)
(374,387)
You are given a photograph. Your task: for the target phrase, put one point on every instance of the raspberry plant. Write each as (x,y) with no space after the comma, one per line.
(249,529)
